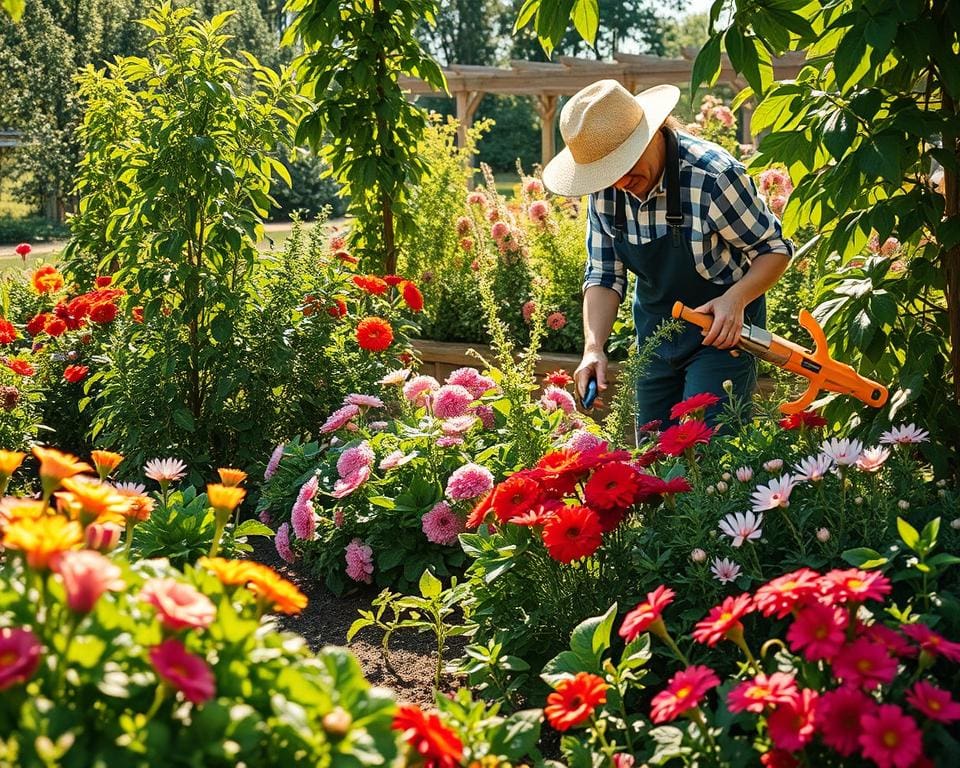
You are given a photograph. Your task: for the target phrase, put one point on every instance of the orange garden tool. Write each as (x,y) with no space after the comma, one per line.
(823,372)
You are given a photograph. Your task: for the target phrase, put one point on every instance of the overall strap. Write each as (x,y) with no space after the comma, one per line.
(619,212)
(672,171)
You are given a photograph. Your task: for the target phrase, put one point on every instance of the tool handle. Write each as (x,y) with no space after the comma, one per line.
(591,394)
(683,312)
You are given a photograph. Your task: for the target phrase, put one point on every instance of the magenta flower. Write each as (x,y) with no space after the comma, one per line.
(441,525)
(339,418)
(450,401)
(86,576)
(469,482)
(458,424)
(184,671)
(282,543)
(309,489)
(582,441)
(472,380)
(359,557)
(539,211)
(486,415)
(19,656)
(554,398)
(354,459)
(274,462)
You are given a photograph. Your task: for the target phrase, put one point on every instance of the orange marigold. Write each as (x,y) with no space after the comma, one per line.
(41,539)
(374,334)
(371,284)
(105,462)
(47,279)
(10,461)
(55,466)
(231,477)
(141,505)
(273,588)
(230,572)
(91,500)
(224,498)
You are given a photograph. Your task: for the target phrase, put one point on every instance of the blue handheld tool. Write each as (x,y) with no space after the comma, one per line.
(591,393)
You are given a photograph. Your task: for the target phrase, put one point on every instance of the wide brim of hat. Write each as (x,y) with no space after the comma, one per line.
(564,176)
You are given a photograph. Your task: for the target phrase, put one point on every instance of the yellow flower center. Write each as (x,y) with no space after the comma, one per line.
(935,705)
(890,739)
(7,658)
(864,665)
(725,616)
(684,692)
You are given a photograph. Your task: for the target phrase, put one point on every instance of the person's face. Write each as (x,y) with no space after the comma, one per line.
(640,179)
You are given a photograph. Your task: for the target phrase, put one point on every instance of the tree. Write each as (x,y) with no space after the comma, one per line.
(463,34)
(361,122)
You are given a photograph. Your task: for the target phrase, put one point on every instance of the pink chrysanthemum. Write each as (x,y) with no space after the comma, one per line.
(469,482)
(472,380)
(539,211)
(556,321)
(459,424)
(274,462)
(417,389)
(339,418)
(499,230)
(364,401)
(890,738)
(282,543)
(355,458)
(308,490)
(303,520)
(864,663)
(581,441)
(450,401)
(397,459)
(527,310)
(818,631)
(441,525)
(554,398)
(838,718)
(359,557)
(347,485)
(533,187)
(449,441)
(486,415)
(791,725)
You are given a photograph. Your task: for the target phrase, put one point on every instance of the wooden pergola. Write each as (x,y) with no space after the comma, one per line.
(546,82)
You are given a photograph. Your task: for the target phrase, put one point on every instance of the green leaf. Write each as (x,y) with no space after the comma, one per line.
(586,19)
(222,327)
(592,636)
(15,8)
(850,61)
(864,557)
(943,559)
(908,534)
(430,585)
(516,736)
(839,131)
(527,11)
(253,528)
(706,67)
(928,537)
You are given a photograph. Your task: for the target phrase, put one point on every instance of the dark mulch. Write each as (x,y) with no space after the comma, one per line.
(327,618)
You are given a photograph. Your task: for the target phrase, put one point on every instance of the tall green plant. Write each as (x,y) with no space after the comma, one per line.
(180,149)
(859,128)
(361,122)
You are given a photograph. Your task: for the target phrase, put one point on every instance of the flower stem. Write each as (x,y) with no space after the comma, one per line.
(217,534)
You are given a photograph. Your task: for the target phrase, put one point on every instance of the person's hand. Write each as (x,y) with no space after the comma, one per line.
(727,311)
(593,364)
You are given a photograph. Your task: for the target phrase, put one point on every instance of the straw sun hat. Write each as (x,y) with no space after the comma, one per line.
(606,129)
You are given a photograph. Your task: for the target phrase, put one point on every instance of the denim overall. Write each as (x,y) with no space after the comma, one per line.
(666,272)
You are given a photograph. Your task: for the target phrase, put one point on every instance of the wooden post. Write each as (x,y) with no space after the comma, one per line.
(746,115)
(547,109)
(467,103)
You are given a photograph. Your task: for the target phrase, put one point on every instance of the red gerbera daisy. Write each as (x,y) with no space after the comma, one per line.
(762,692)
(648,458)
(864,663)
(647,613)
(572,533)
(803,419)
(374,334)
(783,593)
(855,586)
(675,440)
(934,702)
(651,487)
(559,378)
(890,738)
(412,296)
(20,366)
(818,631)
(931,642)
(791,725)
(612,487)
(574,700)
(514,496)
(480,511)
(371,284)
(651,426)
(436,743)
(685,690)
(695,405)
(103,312)
(38,323)
(838,718)
(75,373)
(894,642)
(723,621)
(7,331)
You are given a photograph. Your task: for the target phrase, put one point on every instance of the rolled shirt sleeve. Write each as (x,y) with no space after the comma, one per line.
(742,219)
(603,266)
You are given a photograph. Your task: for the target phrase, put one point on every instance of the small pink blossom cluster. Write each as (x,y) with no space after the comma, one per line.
(283,543)
(889,247)
(509,238)
(419,388)
(775,186)
(469,482)
(274,463)
(441,525)
(359,557)
(302,517)
(554,398)
(354,467)
(353,405)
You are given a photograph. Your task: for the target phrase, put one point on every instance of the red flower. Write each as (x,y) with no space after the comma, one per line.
(436,743)
(558,472)
(838,718)
(75,373)
(573,533)
(38,323)
(20,366)
(103,281)
(612,487)
(137,314)
(539,515)
(930,642)
(651,487)
(791,725)
(47,279)
(934,702)
(338,309)
(7,332)
(55,326)
(865,664)
(183,670)
(480,511)
(803,419)
(855,586)
(559,378)
(574,700)
(723,621)
(777,758)
(648,458)
(371,284)
(890,738)
(23,250)
(646,613)
(374,334)
(393,280)
(651,426)
(76,309)
(781,595)
(412,296)
(685,690)
(675,440)
(818,631)
(514,496)
(762,692)
(345,257)
(103,312)
(695,405)
(894,642)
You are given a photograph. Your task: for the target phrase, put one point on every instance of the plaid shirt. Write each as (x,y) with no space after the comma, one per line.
(726,221)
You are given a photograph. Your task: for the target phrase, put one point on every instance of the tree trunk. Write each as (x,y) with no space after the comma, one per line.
(951,256)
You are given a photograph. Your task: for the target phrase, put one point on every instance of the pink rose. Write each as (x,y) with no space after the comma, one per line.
(86,575)
(179,606)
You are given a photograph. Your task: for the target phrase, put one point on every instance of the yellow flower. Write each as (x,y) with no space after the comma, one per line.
(224,498)
(282,594)
(10,461)
(91,500)
(41,539)
(231,477)
(12,508)
(230,572)
(56,466)
(105,462)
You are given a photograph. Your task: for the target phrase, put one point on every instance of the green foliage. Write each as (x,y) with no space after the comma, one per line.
(859,139)
(309,193)
(361,122)
(31,229)
(549,19)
